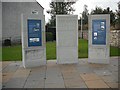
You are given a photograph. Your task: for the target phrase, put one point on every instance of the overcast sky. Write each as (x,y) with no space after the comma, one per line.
(80,4)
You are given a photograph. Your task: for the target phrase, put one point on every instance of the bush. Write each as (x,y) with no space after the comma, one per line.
(7,42)
(49,36)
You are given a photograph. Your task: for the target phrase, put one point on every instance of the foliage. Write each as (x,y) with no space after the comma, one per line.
(84,18)
(7,42)
(85,15)
(49,36)
(99,10)
(59,8)
(118,14)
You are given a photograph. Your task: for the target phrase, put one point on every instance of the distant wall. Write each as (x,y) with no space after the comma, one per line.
(115,38)
(84,34)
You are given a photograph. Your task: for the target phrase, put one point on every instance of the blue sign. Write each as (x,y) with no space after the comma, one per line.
(99,32)
(34,33)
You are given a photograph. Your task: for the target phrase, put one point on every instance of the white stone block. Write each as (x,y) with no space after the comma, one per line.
(99,53)
(67,55)
(67,39)
(35,55)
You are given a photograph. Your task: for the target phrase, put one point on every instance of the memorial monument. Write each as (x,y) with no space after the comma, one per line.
(33,39)
(67,39)
(99,47)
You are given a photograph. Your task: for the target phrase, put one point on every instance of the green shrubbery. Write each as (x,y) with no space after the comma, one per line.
(49,36)
(7,42)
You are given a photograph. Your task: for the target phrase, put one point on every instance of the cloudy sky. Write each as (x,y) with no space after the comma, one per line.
(80,4)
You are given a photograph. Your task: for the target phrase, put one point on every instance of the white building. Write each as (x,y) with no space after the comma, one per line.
(11,17)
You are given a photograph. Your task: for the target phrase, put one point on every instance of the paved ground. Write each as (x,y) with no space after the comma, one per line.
(82,75)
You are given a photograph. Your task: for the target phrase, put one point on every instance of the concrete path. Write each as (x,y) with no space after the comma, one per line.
(82,75)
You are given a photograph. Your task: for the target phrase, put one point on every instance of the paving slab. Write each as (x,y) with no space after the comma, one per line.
(90,76)
(112,68)
(34,84)
(54,80)
(113,85)
(0,85)
(81,85)
(15,83)
(17,63)
(77,89)
(52,73)
(83,61)
(114,60)
(70,75)
(38,69)
(74,83)
(12,67)
(36,77)
(0,77)
(68,67)
(82,75)
(84,69)
(110,79)
(22,73)
(53,76)
(18,80)
(52,63)
(96,84)
(69,71)
(1,66)
(6,77)
(54,85)
(5,63)
(97,65)
(116,76)
(102,72)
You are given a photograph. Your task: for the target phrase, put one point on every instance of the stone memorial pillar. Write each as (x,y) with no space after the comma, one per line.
(33,40)
(67,39)
(99,27)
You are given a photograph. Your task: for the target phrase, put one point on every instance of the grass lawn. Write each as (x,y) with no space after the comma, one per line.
(12,53)
(15,52)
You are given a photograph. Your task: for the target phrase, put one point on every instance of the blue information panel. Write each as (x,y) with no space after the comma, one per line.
(34,33)
(99,32)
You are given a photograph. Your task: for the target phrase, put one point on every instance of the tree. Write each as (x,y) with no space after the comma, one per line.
(85,15)
(119,6)
(99,10)
(84,18)
(112,15)
(118,14)
(59,8)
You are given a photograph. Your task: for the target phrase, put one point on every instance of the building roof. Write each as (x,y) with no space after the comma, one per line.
(40,4)
(21,1)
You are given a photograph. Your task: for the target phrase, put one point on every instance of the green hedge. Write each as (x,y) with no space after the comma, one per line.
(49,36)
